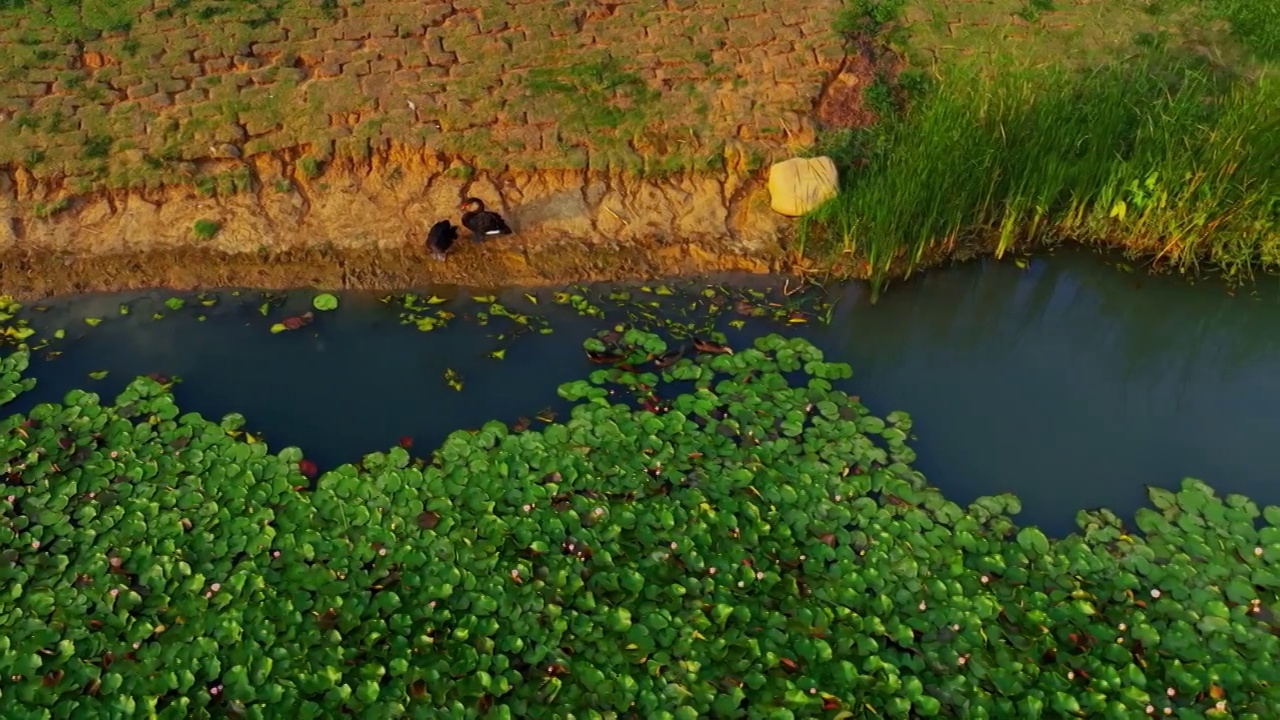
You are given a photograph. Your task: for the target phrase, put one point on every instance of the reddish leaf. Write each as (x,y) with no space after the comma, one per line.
(293,323)
(406,442)
(428,520)
(307,468)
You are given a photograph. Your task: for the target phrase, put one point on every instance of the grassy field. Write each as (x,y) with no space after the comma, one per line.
(1149,127)
(150,93)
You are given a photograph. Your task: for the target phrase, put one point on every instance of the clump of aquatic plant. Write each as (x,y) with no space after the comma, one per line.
(1179,168)
(14,330)
(758,546)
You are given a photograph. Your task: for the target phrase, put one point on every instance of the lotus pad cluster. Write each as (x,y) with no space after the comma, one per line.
(758,546)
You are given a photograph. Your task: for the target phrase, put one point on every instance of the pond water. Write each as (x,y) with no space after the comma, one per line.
(1070,382)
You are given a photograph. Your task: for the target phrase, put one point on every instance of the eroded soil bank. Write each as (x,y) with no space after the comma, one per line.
(360,225)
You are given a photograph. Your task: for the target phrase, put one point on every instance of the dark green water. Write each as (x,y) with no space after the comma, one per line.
(1070,383)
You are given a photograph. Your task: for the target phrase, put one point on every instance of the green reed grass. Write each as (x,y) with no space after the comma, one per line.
(1183,167)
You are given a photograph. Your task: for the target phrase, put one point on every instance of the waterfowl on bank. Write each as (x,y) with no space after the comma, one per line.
(481,222)
(712,348)
(440,238)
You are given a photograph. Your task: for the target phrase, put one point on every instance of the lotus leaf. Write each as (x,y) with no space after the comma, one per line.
(325,301)
(754,551)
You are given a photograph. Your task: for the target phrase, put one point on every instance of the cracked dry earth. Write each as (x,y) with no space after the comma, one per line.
(620,138)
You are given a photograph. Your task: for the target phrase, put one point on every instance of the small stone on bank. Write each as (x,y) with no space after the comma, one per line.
(799,185)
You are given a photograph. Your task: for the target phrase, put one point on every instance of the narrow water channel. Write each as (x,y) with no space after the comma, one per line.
(1070,382)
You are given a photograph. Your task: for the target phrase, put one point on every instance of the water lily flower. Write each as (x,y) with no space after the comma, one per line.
(985,579)
(1151,709)
(922,606)
(1170,692)
(1257,551)
(1155,592)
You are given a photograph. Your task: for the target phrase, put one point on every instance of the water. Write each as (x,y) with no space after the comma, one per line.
(1070,383)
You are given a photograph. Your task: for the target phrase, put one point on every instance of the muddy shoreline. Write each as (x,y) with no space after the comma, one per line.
(36,276)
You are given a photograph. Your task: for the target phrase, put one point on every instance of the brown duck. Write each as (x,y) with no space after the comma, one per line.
(711,348)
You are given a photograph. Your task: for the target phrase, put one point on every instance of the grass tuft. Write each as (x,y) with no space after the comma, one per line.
(1179,167)
(205,229)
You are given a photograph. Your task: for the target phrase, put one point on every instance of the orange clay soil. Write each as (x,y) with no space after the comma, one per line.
(359,226)
(667,181)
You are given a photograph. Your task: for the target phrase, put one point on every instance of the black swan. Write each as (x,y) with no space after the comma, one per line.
(482,222)
(440,238)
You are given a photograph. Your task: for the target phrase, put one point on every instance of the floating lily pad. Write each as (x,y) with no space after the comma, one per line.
(753,543)
(325,301)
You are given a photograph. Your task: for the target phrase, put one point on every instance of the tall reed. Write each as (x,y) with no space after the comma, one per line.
(1181,167)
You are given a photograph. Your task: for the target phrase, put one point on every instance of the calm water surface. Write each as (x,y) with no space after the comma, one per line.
(1070,383)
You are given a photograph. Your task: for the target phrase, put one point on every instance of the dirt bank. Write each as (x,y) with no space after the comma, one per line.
(360,225)
(239,118)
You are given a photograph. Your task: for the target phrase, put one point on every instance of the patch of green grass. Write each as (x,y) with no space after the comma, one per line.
(867,17)
(1183,169)
(1255,22)
(1085,35)
(47,210)
(595,95)
(1033,9)
(311,167)
(205,229)
(97,147)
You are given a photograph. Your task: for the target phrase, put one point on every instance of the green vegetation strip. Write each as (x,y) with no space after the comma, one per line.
(758,547)
(1178,167)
